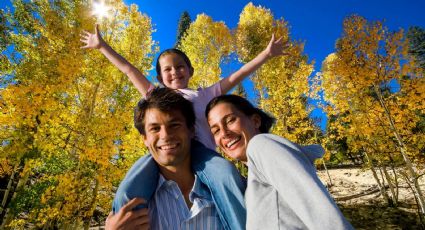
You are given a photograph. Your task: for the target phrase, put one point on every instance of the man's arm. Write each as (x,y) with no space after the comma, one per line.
(274,48)
(95,41)
(126,218)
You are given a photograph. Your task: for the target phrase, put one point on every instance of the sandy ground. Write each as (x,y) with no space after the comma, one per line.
(371,211)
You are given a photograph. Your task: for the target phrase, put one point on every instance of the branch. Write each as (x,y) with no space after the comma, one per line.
(363,193)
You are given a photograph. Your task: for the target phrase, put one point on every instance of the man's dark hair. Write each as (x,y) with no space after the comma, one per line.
(166,100)
(245,107)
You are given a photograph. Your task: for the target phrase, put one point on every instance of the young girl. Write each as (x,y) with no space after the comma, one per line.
(174,70)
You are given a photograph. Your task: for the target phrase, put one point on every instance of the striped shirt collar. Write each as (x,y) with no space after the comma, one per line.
(199,190)
(168,210)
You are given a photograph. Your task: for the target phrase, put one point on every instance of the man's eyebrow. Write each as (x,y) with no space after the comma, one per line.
(174,120)
(152,124)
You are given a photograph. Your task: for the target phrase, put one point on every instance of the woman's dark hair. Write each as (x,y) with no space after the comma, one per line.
(172,51)
(245,107)
(166,100)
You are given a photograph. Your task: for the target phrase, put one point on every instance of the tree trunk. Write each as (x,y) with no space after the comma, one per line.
(21,183)
(327,172)
(92,205)
(391,185)
(413,177)
(390,199)
(8,190)
(375,175)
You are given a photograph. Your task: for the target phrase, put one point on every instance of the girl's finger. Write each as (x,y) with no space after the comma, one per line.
(132,204)
(82,36)
(279,40)
(87,33)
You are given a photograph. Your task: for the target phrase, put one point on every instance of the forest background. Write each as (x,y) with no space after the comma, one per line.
(66,113)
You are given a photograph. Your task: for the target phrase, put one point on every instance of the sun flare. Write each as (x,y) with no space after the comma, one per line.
(100,10)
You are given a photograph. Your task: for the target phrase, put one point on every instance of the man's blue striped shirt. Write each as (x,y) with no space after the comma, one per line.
(168,209)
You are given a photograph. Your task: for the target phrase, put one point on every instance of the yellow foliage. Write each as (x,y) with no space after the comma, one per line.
(207,44)
(282,83)
(5,167)
(68,115)
(357,80)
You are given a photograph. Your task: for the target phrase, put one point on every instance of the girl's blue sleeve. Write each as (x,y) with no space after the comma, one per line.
(140,181)
(225,183)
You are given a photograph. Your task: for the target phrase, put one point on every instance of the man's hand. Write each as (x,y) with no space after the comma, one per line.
(92,41)
(276,47)
(126,218)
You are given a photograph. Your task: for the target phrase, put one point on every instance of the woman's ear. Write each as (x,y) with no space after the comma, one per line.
(256,119)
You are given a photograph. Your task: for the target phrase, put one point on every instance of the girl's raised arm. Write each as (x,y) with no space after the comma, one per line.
(95,41)
(274,48)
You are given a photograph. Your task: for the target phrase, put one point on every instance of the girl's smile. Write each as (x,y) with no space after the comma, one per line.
(175,73)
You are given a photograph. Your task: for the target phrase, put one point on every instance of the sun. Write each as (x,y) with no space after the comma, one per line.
(100,9)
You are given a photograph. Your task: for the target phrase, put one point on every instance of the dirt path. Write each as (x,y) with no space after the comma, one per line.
(370,211)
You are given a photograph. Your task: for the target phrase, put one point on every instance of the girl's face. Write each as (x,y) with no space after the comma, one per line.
(232,129)
(175,72)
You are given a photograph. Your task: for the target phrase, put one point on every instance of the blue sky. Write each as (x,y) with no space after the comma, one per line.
(317,23)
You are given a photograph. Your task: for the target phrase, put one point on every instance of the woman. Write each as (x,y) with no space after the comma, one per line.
(283,191)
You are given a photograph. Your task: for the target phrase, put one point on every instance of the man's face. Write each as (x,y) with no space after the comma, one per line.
(168,138)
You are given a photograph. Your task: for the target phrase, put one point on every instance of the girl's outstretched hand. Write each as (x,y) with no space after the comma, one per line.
(92,41)
(276,47)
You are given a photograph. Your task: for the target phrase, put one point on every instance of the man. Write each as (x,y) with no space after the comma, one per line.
(177,198)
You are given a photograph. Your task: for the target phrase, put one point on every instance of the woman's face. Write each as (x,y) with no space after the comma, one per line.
(232,129)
